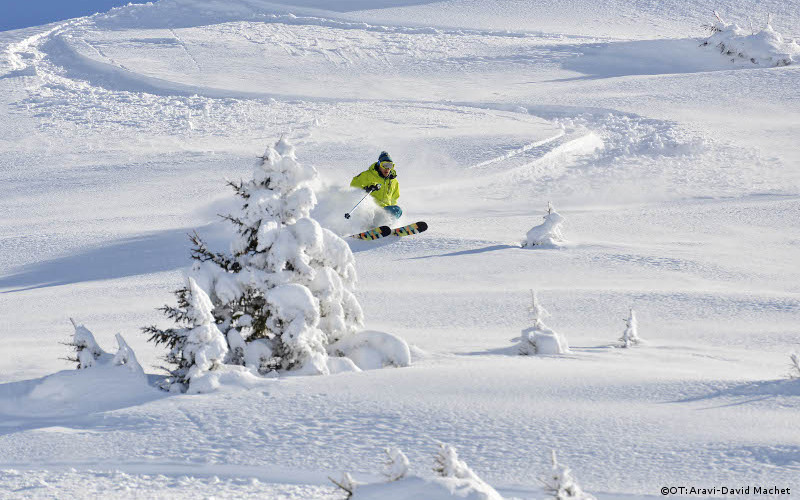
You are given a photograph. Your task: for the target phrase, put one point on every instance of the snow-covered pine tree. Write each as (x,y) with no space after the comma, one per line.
(87,351)
(547,234)
(560,483)
(631,334)
(284,292)
(539,338)
(396,464)
(346,483)
(198,345)
(447,464)
(127,358)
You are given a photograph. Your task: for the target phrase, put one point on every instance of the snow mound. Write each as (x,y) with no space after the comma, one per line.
(766,47)
(539,338)
(414,487)
(104,387)
(455,480)
(543,340)
(371,350)
(548,234)
(224,378)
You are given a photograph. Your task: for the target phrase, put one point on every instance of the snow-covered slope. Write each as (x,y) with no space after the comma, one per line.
(675,170)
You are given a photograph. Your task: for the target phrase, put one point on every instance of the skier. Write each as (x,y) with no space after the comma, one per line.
(380,180)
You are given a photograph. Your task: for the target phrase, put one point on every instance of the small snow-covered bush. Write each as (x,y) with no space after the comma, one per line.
(86,349)
(539,338)
(765,47)
(346,483)
(631,334)
(396,465)
(795,366)
(88,353)
(548,234)
(447,464)
(560,483)
(454,480)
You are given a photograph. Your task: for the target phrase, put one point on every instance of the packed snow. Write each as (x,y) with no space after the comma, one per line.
(231,341)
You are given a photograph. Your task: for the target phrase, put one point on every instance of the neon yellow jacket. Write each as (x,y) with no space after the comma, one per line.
(390,188)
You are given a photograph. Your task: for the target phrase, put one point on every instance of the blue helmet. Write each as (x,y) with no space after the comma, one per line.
(384,156)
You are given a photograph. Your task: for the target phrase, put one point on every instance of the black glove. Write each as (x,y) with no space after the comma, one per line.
(372,188)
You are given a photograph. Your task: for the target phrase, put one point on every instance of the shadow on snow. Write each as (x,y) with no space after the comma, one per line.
(157,252)
(751,392)
(491,248)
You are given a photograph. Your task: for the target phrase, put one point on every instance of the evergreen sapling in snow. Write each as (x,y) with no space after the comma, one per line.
(396,464)
(87,351)
(454,480)
(346,483)
(560,483)
(447,464)
(765,47)
(198,346)
(547,234)
(89,354)
(631,334)
(539,338)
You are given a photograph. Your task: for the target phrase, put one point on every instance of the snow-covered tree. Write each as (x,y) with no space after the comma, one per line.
(198,346)
(396,464)
(795,366)
(762,47)
(127,358)
(454,480)
(89,354)
(631,334)
(560,483)
(284,290)
(447,464)
(87,351)
(539,338)
(346,483)
(547,234)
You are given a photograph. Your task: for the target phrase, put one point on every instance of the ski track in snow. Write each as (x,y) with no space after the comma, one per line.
(133,107)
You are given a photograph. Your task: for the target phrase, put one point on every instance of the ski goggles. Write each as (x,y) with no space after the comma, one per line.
(388,165)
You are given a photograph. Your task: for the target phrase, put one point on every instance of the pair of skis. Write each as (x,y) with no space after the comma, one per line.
(384,231)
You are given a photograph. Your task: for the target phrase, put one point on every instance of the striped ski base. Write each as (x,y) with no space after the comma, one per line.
(415,228)
(384,231)
(373,234)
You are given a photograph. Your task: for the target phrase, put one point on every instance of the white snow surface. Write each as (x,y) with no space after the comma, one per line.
(677,171)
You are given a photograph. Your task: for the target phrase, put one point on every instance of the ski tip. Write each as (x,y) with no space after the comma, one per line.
(422,226)
(385,231)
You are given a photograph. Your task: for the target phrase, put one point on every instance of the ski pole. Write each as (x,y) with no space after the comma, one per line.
(347,215)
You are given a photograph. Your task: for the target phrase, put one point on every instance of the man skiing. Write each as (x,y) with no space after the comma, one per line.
(380,180)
